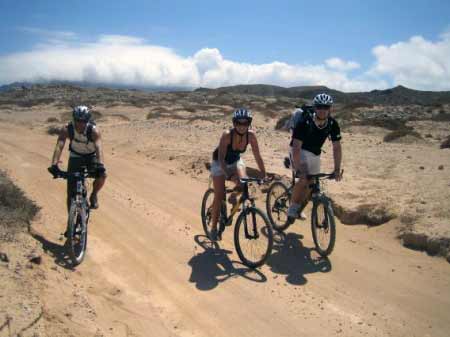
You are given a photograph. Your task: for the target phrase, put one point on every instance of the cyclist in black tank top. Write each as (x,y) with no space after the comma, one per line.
(227,162)
(232,155)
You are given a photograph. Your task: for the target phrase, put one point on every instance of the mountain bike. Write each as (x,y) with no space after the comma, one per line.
(253,234)
(79,211)
(323,225)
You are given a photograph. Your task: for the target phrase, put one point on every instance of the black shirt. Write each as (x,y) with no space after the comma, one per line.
(312,137)
(231,155)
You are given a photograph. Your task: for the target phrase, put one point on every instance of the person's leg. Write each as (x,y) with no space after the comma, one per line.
(239,171)
(73,165)
(301,189)
(219,195)
(97,185)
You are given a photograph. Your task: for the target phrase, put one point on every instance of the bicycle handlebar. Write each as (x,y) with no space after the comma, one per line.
(67,175)
(321,175)
(250,179)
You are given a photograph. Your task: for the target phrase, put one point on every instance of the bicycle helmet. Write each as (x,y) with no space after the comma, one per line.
(323,100)
(81,113)
(242,113)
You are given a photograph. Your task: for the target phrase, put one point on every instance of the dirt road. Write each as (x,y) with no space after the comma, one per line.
(149,271)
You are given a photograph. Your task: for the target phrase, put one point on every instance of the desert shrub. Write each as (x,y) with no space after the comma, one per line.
(16,210)
(139,102)
(268,113)
(36,101)
(400,133)
(152,115)
(356,105)
(344,114)
(53,130)
(161,110)
(8,102)
(282,122)
(190,108)
(387,123)
(52,120)
(442,116)
(446,143)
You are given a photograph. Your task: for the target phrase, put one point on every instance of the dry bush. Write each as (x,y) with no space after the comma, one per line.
(53,130)
(52,120)
(161,110)
(446,143)
(442,116)
(390,124)
(394,135)
(35,101)
(153,115)
(190,108)
(356,105)
(268,113)
(282,122)
(16,210)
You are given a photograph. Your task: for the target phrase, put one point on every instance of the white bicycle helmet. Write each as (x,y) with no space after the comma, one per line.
(323,100)
(242,113)
(81,113)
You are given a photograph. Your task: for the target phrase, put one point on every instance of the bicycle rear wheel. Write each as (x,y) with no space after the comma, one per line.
(206,212)
(278,199)
(323,226)
(77,233)
(253,237)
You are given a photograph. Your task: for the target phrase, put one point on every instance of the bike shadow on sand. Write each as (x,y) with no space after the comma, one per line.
(55,250)
(213,266)
(291,258)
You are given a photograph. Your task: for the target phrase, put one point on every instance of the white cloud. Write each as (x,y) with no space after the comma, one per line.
(339,64)
(416,63)
(132,61)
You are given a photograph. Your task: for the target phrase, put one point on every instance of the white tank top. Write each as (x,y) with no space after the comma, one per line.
(80,145)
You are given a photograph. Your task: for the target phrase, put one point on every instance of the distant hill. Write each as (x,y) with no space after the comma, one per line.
(230,95)
(399,95)
(16,85)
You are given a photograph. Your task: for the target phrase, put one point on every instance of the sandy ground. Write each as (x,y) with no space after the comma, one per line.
(151,272)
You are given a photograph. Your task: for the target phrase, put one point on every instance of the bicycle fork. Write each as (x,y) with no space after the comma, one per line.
(251,234)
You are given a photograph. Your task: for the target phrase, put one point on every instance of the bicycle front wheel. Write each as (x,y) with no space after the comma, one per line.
(323,226)
(278,199)
(253,237)
(77,233)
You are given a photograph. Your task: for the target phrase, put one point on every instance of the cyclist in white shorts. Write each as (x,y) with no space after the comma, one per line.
(308,137)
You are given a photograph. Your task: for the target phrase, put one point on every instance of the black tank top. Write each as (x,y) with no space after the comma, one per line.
(231,155)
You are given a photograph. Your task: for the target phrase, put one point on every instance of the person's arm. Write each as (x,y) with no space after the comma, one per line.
(63,134)
(298,136)
(336,137)
(97,138)
(224,141)
(255,149)
(337,155)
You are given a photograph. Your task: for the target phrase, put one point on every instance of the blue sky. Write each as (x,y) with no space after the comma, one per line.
(348,45)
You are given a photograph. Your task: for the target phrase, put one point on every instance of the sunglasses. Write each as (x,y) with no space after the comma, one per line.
(322,107)
(242,123)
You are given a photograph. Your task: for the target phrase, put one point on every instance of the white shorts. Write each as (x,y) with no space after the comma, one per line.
(310,162)
(216,169)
